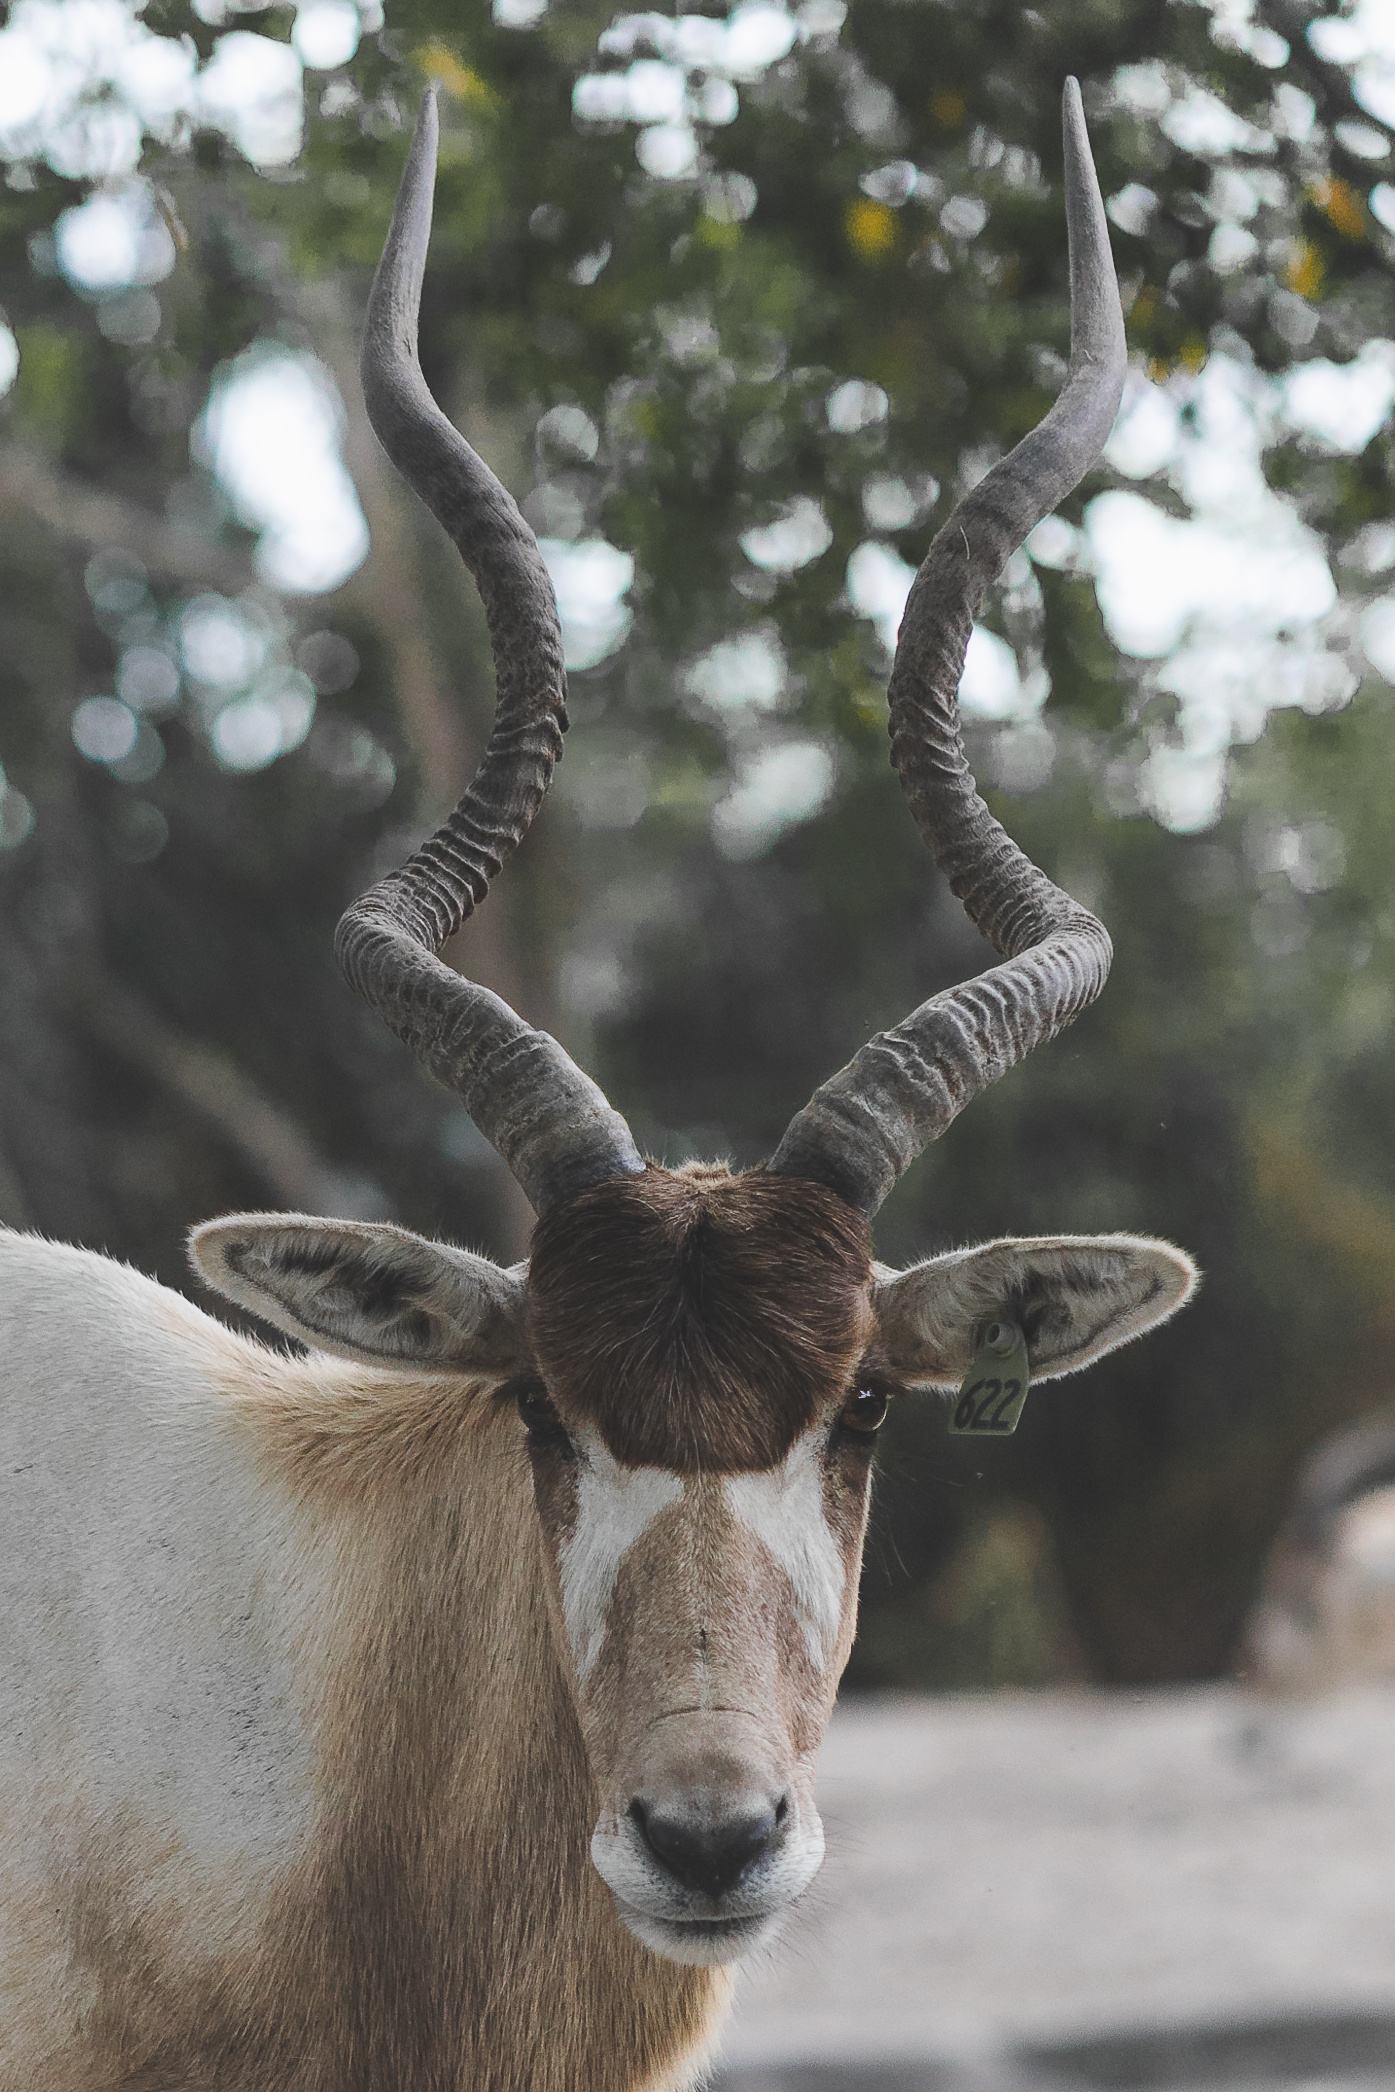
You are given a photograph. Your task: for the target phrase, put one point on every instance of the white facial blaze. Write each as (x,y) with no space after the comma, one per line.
(615,1505)
(783,1506)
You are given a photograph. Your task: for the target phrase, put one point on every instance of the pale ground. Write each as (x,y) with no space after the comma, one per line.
(1008,1876)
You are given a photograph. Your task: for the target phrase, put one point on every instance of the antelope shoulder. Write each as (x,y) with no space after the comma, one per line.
(155,1748)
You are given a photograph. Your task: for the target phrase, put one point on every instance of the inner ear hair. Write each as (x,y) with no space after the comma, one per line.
(1075,1296)
(369,1291)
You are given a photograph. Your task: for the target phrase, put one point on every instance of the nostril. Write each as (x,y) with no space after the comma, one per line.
(706,1855)
(782,1809)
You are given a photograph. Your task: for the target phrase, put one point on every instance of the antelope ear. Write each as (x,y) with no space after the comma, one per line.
(1075,1296)
(368,1291)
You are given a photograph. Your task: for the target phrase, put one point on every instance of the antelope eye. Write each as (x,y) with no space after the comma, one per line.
(864,1411)
(540,1419)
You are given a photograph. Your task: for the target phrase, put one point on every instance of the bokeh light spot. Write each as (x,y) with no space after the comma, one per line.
(871,227)
(147,679)
(856,405)
(775,789)
(745,674)
(138,831)
(116,583)
(272,432)
(104,730)
(115,239)
(219,646)
(326,34)
(246,735)
(799,534)
(329,660)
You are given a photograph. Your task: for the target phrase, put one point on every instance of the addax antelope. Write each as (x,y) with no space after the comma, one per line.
(436,1710)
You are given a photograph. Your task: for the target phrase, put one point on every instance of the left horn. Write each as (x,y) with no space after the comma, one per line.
(548,1120)
(869,1122)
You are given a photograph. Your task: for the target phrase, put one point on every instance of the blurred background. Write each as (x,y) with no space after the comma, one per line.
(737,303)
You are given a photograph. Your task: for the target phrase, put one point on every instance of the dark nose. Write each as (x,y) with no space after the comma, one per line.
(705,1854)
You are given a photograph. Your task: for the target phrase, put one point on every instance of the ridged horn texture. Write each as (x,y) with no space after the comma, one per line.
(870,1121)
(548,1120)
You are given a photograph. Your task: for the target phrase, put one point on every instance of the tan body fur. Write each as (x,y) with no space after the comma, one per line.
(406,1900)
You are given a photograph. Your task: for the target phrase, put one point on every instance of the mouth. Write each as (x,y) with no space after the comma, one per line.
(699,1942)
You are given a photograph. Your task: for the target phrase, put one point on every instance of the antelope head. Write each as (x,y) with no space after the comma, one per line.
(699,1361)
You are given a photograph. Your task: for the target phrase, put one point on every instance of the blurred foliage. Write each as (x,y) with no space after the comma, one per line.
(996,1616)
(882,211)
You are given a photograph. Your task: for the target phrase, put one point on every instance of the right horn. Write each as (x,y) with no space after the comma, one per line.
(527,1096)
(868,1123)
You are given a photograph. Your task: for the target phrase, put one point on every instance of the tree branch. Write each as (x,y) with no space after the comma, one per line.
(30,483)
(258,1128)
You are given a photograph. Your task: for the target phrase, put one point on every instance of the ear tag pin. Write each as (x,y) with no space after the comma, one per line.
(994,1390)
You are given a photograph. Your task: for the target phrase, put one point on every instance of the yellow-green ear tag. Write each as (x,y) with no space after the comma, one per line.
(995,1387)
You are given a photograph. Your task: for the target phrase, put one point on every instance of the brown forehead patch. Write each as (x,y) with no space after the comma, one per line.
(700,1319)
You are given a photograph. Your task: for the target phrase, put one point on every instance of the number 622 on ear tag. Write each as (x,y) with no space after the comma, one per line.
(993,1391)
